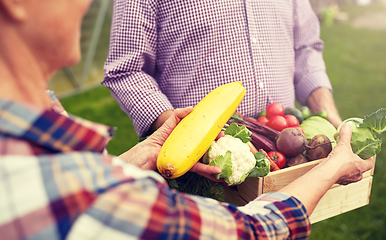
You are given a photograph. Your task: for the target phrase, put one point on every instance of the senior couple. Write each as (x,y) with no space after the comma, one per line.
(56,180)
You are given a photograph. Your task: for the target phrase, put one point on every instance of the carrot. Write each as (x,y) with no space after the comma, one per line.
(252,148)
(274,166)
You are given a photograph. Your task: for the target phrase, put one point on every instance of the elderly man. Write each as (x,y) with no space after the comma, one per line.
(170,54)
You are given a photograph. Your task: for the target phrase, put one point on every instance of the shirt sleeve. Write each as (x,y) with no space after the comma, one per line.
(310,69)
(82,196)
(148,209)
(130,66)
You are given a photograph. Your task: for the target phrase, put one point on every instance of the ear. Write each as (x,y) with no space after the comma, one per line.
(16,10)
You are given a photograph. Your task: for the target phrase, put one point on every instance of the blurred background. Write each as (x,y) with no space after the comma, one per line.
(88,73)
(354,32)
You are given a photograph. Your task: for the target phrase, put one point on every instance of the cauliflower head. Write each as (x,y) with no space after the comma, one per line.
(233,152)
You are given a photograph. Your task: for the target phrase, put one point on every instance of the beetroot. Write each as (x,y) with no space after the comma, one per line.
(291,142)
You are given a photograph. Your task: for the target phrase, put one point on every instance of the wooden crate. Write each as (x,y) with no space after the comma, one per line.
(337,200)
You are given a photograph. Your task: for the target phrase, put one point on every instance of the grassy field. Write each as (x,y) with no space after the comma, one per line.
(356,65)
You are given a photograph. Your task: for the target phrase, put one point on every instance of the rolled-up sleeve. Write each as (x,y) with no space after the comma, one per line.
(278,216)
(130,65)
(310,69)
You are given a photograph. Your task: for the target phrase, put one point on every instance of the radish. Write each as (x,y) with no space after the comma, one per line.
(291,142)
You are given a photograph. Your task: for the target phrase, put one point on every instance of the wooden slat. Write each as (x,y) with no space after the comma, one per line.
(251,188)
(343,199)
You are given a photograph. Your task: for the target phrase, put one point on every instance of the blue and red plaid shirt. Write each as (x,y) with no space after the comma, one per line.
(56,184)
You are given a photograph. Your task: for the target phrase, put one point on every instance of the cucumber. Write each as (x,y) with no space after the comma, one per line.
(306,112)
(296,112)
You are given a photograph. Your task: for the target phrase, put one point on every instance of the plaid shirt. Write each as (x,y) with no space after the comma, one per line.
(54,184)
(170,54)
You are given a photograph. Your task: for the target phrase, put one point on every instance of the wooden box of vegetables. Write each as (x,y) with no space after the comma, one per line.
(339,198)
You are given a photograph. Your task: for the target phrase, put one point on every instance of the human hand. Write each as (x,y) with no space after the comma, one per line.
(144,154)
(161,119)
(351,166)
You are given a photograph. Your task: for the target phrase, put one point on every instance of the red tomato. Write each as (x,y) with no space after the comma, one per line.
(277,122)
(274,109)
(278,158)
(292,121)
(263,120)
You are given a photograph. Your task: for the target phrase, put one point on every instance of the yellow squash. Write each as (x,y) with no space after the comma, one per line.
(195,133)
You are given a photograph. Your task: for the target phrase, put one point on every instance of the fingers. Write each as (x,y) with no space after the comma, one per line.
(164,131)
(204,168)
(368,163)
(183,112)
(352,179)
(176,117)
(359,167)
(207,171)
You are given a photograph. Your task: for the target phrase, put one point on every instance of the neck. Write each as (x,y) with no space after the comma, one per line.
(22,78)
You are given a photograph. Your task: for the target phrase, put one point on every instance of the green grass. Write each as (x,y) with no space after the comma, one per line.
(356,65)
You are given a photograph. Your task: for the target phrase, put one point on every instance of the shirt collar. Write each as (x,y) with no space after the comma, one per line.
(52,130)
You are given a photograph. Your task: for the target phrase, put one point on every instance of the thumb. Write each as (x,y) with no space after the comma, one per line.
(175,118)
(345,134)
(183,112)
(168,126)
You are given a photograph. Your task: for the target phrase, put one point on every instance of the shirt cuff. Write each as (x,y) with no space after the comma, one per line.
(286,212)
(310,82)
(143,103)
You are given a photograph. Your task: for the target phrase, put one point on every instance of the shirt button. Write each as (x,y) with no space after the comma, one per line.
(261,84)
(253,39)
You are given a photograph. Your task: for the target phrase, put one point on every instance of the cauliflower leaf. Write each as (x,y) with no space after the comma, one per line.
(241,132)
(225,163)
(262,166)
(376,121)
(366,149)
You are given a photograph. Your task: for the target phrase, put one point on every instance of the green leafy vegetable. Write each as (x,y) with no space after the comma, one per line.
(376,121)
(241,132)
(262,166)
(368,148)
(225,163)
(315,125)
(365,141)
(196,184)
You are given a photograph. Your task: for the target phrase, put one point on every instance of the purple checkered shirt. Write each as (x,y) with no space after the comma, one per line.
(170,54)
